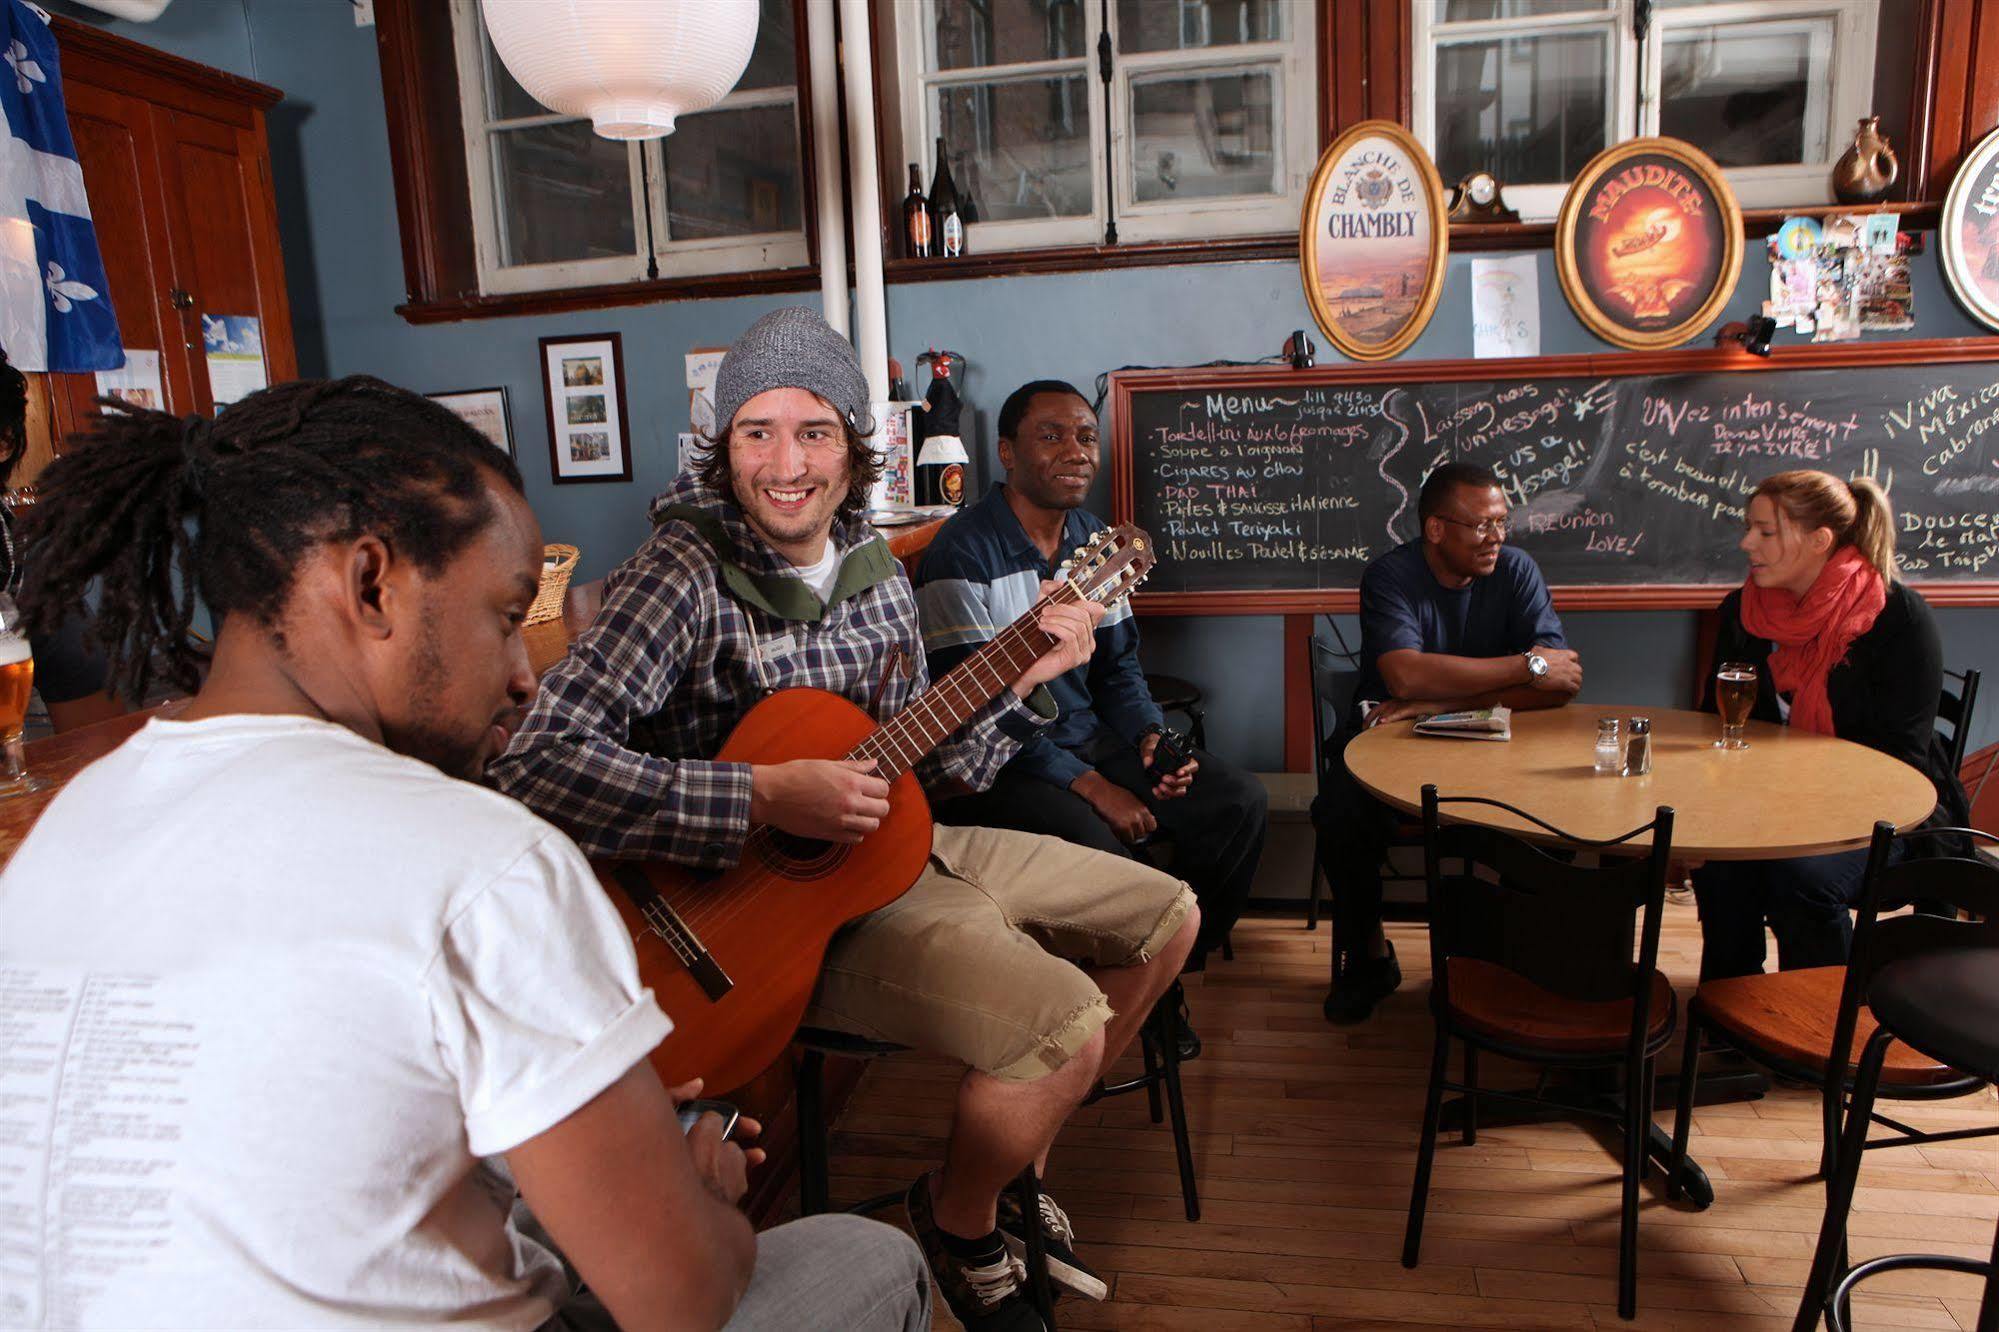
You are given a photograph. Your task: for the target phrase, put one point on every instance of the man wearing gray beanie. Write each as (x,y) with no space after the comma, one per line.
(760,576)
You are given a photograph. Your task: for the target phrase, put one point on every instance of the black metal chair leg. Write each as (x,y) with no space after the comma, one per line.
(1316,881)
(1637,1117)
(1471,1095)
(1839,1188)
(1419,1192)
(1150,1037)
(1683,1112)
(1228,947)
(1183,1147)
(1988,1306)
(814,1184)
(1027,1187)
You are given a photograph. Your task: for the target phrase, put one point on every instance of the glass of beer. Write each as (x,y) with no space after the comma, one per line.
(17,680)
(1734,697)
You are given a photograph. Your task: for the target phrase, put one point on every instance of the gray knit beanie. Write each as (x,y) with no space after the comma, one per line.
(793,348)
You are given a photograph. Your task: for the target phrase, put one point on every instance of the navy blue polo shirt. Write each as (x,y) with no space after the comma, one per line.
(1402,605)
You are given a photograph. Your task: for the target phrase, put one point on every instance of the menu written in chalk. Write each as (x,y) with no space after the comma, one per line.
(1617,481)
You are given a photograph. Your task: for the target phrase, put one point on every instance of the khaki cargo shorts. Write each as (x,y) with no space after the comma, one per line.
(981,959)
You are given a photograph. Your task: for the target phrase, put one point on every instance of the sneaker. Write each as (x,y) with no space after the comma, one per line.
(1360,984)
(1058,1245)
(985,1297)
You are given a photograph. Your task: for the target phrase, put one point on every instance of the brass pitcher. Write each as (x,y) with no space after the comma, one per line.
(1866,170)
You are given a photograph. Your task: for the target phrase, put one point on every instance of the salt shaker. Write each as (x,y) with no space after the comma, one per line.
(1609,748)
(1638,747)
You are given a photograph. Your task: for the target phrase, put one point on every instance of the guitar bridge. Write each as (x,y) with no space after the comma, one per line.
(667,924)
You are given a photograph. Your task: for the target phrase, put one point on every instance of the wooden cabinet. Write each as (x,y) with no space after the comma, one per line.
(177,166)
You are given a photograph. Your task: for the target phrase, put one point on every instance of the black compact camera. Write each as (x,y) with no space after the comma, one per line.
(1174,749)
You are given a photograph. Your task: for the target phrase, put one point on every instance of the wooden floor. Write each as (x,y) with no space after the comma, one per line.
(1305,1140)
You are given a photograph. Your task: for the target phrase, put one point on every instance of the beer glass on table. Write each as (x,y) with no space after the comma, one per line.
(17,680)
(1734,697)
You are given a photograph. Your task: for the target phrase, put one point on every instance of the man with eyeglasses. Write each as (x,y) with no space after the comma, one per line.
(1453,619)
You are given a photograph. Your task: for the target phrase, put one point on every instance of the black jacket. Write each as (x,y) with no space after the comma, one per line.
(1884,695)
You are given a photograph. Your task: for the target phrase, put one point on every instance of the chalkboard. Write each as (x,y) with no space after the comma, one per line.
(1269,490)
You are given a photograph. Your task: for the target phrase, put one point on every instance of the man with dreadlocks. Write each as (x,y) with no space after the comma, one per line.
(761,575)
(283,980)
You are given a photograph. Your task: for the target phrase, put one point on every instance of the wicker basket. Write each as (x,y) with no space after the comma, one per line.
(558,563)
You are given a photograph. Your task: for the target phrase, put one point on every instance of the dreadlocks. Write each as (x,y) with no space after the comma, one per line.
(151,508)
(13,417)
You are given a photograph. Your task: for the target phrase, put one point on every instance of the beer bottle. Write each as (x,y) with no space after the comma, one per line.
(947,223)
(940,465)
(916,231)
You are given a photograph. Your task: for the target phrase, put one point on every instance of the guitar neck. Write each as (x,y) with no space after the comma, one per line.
(900,743)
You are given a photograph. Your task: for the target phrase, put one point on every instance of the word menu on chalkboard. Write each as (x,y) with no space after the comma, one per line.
(1272,489)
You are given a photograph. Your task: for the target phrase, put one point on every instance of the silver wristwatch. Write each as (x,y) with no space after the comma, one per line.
(1537,665)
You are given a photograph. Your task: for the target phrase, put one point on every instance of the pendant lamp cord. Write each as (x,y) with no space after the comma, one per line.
(645,185)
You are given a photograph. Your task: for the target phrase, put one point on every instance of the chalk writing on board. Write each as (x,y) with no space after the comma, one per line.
(1612,480)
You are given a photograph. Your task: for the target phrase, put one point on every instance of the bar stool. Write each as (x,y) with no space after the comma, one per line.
(1159,1046)
(1945,1004)
(815,1154)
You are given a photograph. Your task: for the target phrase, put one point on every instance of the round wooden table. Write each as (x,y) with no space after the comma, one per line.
(1791,793)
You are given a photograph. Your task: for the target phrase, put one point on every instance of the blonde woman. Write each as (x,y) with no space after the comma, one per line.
(1843,648)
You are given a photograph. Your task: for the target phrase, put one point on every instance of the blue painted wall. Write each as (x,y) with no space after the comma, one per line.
(337,209)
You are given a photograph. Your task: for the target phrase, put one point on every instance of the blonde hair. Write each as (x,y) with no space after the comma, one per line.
(1856,512)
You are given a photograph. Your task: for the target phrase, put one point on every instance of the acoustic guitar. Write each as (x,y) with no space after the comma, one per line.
(733,957)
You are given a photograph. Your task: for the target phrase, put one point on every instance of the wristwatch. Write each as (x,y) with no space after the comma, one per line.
(1537,666)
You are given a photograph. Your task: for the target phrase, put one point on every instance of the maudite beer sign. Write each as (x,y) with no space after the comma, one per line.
(1374,240)
(1649,243)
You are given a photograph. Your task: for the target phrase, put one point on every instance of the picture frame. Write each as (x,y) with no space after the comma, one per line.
(583,389)
(1373,244)
(1970,233)
(486,410)
(1648,245)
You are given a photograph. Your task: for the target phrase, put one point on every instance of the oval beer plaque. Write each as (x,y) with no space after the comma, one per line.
(1970,232)
(1374,241)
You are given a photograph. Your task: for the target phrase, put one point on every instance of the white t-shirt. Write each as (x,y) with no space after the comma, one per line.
(267,993)
(819,575)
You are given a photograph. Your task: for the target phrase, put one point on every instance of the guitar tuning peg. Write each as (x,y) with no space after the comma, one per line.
(1080,551)
(1067,565)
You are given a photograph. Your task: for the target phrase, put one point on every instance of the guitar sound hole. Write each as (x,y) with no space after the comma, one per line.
(792,849)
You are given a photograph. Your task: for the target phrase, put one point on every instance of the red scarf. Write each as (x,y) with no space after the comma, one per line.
(1812,634)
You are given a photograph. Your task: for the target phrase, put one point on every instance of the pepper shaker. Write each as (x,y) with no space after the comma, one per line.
(1638,747)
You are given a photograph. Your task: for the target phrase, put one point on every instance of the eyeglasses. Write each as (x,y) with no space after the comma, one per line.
(1490,527)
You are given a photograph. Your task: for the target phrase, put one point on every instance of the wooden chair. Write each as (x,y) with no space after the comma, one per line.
(1923,989)
(1791,1022)
(1531,958)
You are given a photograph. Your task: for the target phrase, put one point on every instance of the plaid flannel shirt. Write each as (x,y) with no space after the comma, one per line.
(618,749)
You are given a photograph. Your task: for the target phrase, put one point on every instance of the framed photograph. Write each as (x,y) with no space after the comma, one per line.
(1374,244)
(1649,243)
(1970,232)
(485,410)
(583,379)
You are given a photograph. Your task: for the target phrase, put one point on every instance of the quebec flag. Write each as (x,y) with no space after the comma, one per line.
(55,306)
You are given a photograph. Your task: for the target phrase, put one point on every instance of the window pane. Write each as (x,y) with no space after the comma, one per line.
(1744,92)
(1020,150)
(1176,25)
(563,194)
(1527,109)
(1456,11)
(774,61)
(1201,137)
(733,173)
(505,99)
(1007,32)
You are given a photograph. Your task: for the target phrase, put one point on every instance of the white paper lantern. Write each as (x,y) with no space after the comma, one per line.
(632,66)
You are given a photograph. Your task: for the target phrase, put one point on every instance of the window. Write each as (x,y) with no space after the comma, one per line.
(554,205)
(1532,89)
(1210,110)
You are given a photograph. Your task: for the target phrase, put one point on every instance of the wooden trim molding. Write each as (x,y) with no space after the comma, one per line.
(143,71)
(427,152)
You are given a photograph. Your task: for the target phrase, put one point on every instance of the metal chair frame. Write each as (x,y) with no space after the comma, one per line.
(1526,870)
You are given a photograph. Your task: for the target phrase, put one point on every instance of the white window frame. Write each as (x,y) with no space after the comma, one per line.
(676,258)
(1292,61)
(1632,90)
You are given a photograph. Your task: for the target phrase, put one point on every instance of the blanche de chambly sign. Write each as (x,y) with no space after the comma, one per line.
(1373,242)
